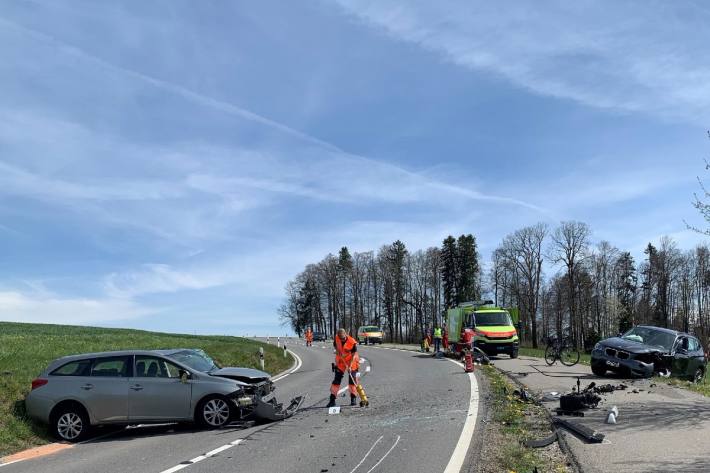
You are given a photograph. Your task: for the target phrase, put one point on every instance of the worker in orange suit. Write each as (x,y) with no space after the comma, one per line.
(347,362)
(309,337)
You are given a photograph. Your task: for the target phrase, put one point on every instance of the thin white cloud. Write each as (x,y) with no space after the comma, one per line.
(618,55)
(16,306)
(365,176)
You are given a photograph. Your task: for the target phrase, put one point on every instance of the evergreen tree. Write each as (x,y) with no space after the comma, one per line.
(345,266)
(625,285)
(467,269)
(448,271)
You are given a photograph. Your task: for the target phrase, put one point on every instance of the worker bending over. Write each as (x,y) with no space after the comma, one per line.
(347,362)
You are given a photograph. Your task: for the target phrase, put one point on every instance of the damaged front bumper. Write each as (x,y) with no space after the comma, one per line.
(258,402)
(642,366)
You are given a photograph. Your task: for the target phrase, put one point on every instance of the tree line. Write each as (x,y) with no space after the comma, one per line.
(562,282)
(403,292)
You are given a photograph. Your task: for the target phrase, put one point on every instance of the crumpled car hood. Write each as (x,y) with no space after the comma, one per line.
(631,347)
(245,375)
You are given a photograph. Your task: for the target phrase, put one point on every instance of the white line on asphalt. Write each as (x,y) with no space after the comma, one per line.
(209,454)
(9,463)
(298,365)
(459,455)
(367,454)
(386,454)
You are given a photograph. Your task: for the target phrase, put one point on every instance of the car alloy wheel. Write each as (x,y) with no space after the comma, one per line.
(70,426)
(216,412)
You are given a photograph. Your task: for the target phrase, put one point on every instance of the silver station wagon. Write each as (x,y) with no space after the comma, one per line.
(149,386)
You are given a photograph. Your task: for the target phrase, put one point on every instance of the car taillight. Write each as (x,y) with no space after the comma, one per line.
(38,383)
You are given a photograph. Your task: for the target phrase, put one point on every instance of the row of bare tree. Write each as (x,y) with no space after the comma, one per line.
(562,283)
(598,290)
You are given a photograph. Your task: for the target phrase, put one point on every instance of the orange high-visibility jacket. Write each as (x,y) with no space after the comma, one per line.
(344,355)
(309,335)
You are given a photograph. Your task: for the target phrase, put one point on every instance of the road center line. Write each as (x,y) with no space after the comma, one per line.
(197,459)
(367,454)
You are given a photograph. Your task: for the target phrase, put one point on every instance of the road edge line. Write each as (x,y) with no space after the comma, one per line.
(458,457)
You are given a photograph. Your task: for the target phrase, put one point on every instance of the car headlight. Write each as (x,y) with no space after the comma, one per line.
(598,346)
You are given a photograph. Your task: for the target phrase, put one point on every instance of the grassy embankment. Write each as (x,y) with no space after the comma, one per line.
(27,349)
(516,422)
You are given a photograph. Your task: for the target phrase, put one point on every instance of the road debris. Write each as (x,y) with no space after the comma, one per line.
(590,435)
(541,443)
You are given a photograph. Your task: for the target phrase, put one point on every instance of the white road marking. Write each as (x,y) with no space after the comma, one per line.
(9,463)
(459,455)
(385,456)
(299,362)
(367,454)
(197,459)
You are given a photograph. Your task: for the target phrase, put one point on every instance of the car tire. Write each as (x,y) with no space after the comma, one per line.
(214,412)
(598,370)
(514,354)
(698,376)
(71,423)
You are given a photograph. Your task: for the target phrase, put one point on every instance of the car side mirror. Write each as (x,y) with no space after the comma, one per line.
(184,376)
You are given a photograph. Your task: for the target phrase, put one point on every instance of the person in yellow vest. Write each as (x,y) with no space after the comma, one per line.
(437,339)
(346,359)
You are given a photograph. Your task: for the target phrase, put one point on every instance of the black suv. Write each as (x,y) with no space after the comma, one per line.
(645,350)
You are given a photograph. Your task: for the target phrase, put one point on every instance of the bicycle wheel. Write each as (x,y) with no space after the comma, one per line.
(550,355)
(569,356)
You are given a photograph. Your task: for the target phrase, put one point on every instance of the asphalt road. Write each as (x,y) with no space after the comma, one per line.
(418,407)
(659,429)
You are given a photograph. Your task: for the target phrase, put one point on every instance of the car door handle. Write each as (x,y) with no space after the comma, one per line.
(86,387)
(137,387)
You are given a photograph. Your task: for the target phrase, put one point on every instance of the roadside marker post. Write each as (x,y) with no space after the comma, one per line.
(261,358)
(285,354)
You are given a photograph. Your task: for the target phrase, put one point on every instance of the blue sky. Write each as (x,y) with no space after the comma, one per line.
(170,165)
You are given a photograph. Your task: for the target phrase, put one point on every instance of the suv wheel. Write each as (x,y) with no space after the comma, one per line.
(71,424)
(214,412)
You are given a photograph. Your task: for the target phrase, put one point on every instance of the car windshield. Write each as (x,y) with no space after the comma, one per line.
(195,359)
(492,318)
(370,329)
(650,336)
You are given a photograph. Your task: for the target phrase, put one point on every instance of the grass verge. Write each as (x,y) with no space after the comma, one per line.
(517,421)
(702,387)
(27,349)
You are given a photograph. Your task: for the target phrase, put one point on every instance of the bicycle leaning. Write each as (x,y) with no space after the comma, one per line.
(563,350)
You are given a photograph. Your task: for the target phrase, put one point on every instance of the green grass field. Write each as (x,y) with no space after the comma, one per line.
(27,349)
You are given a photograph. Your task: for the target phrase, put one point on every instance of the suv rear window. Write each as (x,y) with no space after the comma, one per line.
(74,368)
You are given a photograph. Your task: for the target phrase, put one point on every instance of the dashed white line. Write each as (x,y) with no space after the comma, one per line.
(199,458)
